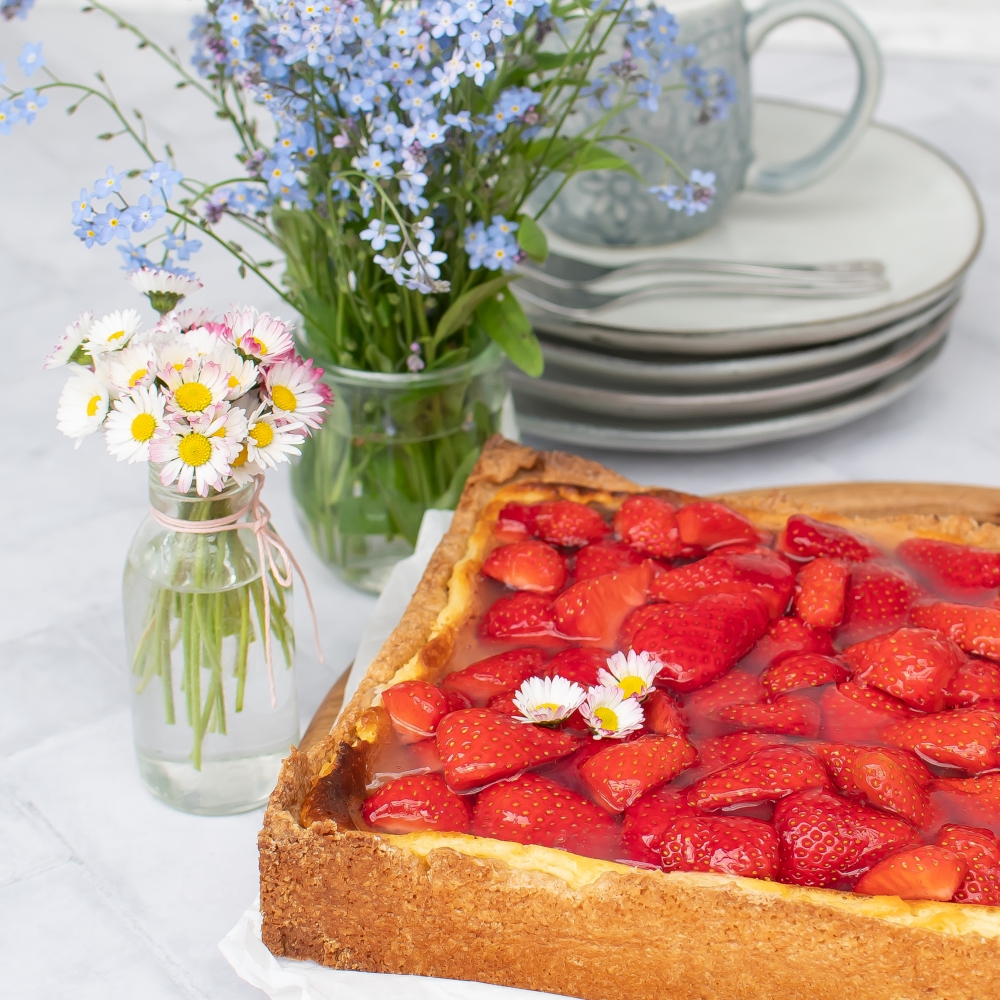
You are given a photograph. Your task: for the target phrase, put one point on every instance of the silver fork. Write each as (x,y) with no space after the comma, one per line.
(572,284)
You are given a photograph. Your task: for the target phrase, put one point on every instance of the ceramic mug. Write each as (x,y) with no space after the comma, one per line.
(612,208)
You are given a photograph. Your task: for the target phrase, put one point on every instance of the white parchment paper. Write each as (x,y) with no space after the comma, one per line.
(288,979)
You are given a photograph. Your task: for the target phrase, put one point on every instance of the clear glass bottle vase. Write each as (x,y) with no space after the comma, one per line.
(209,734)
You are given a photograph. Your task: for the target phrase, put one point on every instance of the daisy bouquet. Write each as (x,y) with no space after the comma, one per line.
(211,403)
(398,155)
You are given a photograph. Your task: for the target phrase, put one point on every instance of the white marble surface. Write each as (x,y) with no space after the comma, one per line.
(104,892)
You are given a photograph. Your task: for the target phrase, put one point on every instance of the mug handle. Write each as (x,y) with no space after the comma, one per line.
(801,173)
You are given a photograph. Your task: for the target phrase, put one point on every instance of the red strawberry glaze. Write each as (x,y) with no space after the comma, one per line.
(818,718)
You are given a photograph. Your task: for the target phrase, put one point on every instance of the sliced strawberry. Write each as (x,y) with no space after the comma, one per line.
(578,665)
(709,525)
(976,630)
(820,592)
(840,757)
(521,616)
(976,681)
(496,674)
(879,597)
(663,715)
(969,739)
(517,520)
(825,839)
(789,714)
(456,700)
(528,565)
(915,665)
(766,776)
(618,775)
(970,842)
(980,850)
(805,538)
(731,845)
(803,671)
(648,525)
(945,565)
(593,610)
(915,873)
(697,642)
(478,746)
(852,713)
(790,637)
(504,704)
(724,751)
(647,818)
(414,803)
(975,801)
(570,524)
(760,572)
(604,557)
(648,614)
(535,810)
(415,708)
(885,783)
(704,707)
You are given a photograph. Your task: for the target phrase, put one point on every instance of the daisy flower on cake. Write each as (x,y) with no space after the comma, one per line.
(610,715)
(634,673)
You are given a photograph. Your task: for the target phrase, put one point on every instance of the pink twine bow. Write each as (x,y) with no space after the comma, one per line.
(269,545)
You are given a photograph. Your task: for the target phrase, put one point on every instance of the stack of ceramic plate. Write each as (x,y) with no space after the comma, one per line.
(700,372)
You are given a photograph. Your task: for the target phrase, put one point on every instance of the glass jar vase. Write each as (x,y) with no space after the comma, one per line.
(211,721)
(393,446)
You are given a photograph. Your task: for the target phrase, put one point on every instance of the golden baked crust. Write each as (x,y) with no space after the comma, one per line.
(461,907)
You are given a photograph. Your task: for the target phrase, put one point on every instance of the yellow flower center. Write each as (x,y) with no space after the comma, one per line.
(143,427)
(136,377)
(632,685)
(551,706)
(233,382)
(193,397)
(263,434)
(284,398)
(241,458)
(194,449)
(607,718)
(117,335)
(92,404)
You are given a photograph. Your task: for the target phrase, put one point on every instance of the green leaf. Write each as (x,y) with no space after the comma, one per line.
(450,359)
(449,499)
(378,361)
(461,310)
(531,238)
(550,60)
(505,321)
(598,158)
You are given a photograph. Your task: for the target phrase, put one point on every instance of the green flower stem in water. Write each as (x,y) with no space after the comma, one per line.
(199,622)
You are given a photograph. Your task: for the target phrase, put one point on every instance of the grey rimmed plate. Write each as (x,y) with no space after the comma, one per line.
(895,199)
(564,362)
(553,423)
(593,398)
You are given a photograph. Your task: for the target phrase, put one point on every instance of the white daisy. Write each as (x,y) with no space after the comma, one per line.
(195,387)
(193,450)
(271,440)
(259,336)
(163,289)
(296,391)
(242,469)
(610,714)
(83,405)
(74,337)
(634,674)
(113,332)
(543,700)
(132,424)
(129,369)
(187,319)
(241,374)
